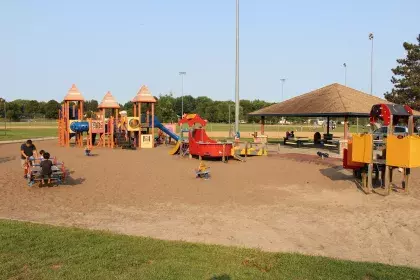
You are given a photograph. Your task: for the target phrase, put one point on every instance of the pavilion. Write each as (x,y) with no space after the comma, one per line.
(334,100)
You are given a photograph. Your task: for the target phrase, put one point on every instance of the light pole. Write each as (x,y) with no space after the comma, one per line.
(182,74)
(4,104)
(345,74)
(371,64)
(237,73)
(282,88)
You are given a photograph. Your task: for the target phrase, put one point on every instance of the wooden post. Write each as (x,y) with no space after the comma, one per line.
(67,126)
(153,125)
(139,115)
(105,127)
(369,178)
(262,124)
(134,109)
(112,132)
(346,128)
(407,172)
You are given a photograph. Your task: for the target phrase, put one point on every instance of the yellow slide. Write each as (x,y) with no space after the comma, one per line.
(175,149)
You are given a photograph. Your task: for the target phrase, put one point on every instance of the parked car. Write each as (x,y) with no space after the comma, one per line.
(382,132)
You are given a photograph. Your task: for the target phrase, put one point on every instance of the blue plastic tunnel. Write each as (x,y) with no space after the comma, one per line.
(79,126)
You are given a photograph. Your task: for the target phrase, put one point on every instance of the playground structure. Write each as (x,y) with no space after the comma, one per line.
(103,126)
(71,122)
(33,172)
(115,131)
(198,143)
(375,160)
(258,147)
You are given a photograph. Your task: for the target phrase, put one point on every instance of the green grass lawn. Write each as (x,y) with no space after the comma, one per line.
(21,133)
(31,251)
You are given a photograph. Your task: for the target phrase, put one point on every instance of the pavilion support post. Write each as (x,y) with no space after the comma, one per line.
(328,125)
(346,127)
(262,124)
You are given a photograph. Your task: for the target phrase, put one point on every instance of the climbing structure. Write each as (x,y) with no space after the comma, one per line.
(107,126)
(70,118)
(143,126)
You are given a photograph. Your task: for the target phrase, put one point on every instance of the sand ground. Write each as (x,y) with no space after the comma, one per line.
(277,203)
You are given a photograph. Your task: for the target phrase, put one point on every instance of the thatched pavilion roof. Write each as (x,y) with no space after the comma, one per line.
(334,100)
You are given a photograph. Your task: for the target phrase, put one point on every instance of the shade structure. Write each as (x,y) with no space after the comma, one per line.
(109,102)
(74,94)
(144,95)
(334,100)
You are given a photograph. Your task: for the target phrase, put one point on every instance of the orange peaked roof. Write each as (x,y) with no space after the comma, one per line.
(109,102)
(144,95)
(74,94)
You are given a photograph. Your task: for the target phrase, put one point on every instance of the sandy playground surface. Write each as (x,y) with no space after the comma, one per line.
(276,203)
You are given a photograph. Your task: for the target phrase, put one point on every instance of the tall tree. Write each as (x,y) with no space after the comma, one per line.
(165,108)
(406,78)
(51,109)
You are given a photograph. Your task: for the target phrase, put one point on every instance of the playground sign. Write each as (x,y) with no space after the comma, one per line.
(146,141)
(98,126)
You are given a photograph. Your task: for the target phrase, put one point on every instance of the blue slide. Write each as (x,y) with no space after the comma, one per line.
(164,129)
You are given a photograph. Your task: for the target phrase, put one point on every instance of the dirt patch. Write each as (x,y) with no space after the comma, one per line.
(276,203)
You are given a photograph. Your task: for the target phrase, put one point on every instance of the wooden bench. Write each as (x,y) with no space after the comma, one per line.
(298,141)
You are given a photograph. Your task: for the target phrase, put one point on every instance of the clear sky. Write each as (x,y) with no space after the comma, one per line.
(120,45)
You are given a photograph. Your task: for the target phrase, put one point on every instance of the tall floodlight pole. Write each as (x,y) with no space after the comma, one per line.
(371,64)
(237,72)
(345,74)
(282,88)
(182,74)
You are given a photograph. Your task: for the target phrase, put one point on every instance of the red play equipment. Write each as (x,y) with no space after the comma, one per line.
(199,143)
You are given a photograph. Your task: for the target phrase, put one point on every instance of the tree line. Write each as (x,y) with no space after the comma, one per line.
(168,109)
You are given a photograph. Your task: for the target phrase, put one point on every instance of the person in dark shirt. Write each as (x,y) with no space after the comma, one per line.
(46,168)
(27,150)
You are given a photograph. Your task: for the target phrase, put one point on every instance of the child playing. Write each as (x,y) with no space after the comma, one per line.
(46,168)
(87,150)
(202,167)
(41,154)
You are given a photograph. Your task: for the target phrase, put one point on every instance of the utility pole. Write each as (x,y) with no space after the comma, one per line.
(282,88)
(182,74)
(371,64)
(345,74)
(237,73)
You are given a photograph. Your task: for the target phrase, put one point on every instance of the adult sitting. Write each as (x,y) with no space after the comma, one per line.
(27,151)
(292,134)
(317,138)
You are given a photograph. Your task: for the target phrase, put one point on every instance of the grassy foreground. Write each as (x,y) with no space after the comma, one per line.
(31,251)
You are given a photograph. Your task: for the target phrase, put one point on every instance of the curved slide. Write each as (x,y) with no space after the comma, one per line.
(168,132)
(164,129)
